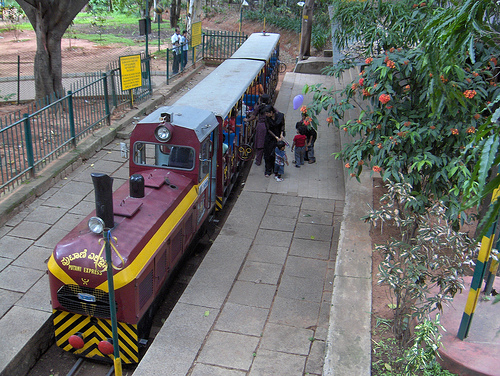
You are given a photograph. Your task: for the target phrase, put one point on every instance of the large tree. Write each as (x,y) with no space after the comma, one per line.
(50,19)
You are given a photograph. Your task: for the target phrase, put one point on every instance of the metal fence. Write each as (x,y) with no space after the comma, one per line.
(29,141)
(220,45)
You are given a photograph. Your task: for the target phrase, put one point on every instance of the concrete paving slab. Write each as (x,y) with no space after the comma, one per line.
(16,278)
(313,231)
(46,214)
(69,221)
(38,296)
(63,200)
(8,299)
(13,339)
(77,188)
(267,253)
(316,217)
(252,294)
(278,223)
(4,262)
(280,211)
(242,319)
(259,272)
(209,370)
(305,267)
(273,237)
(229,350)
(285,200)
(105,166)
(212,282)
(11,246)
(300,288)
(267,362)
(29,230)
(310,248)
(34,257)
(51,238)
(316,204)
(314,364)
(293,312)
(286,339)
(182,336)
(84,207)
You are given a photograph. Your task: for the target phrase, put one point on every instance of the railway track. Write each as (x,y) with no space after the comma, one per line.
(57,362)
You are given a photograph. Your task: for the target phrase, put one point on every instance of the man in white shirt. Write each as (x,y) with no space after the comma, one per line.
(176,50)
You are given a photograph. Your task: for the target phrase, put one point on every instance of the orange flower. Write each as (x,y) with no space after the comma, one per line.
(347,165)
(477,116)
(454,131)
(329,120)
(407,87)
(379,126)
(377,168)
(345,129)
(384,98)
(360,163)
(475,74)
(388,107)
(369,60)
(361,81)
(354,86)
(469,93)
(433,127)
(392,49)
(391,64)
(443,79)
(379,145)
(406,62)
(407,124)
(366,92)
(471,130)
(430,75)
(494,60)
(372,142)
(353,174)
(303,109)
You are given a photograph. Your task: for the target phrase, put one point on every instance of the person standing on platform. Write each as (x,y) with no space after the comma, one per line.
(176,50)
(275,124)
(260,127)
(185,48)
(311,135)
(280,160)
(299,143)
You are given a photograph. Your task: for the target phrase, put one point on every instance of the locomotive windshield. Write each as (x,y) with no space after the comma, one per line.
(161,155)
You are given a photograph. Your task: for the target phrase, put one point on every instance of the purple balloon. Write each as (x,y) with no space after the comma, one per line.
(297,101)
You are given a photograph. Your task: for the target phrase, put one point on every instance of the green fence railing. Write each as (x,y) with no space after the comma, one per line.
(51,127)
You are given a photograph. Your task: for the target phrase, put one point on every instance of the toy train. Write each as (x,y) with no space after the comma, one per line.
(180,173)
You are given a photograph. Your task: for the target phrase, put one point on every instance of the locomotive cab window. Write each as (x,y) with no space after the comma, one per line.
(162,155)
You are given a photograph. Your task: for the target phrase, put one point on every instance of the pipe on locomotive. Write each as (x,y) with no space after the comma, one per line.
(103,186)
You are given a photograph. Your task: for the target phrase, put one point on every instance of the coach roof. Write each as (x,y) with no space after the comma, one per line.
(258,46)
(224,87)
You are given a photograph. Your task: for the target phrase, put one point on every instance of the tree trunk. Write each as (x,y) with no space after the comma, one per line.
(50,19)
(306,29)
(174,14)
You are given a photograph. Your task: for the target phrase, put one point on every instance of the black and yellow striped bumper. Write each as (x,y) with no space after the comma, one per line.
(95,330)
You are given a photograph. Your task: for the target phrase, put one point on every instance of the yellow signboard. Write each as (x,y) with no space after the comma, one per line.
(196,34)
(130,71)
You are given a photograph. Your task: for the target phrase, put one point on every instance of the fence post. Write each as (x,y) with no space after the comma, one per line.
(18,79)
(113,90)
(71,119)
(29,144)
(106,98)
(168,72)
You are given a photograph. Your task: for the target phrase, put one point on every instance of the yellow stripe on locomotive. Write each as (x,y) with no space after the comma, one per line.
(82,335)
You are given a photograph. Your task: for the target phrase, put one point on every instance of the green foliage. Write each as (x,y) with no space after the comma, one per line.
(426,124)
(419,359)
(424,263)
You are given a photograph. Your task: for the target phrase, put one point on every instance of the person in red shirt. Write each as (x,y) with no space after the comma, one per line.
(299,144)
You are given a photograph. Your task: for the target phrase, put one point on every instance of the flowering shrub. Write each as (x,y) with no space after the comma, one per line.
(398,128)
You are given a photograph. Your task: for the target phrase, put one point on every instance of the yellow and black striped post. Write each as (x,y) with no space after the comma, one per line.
(477,278)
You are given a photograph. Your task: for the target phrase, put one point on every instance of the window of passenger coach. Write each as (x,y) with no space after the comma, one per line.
(162,155)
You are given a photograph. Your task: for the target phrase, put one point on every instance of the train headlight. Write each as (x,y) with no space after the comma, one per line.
(96,225)
(162,133)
